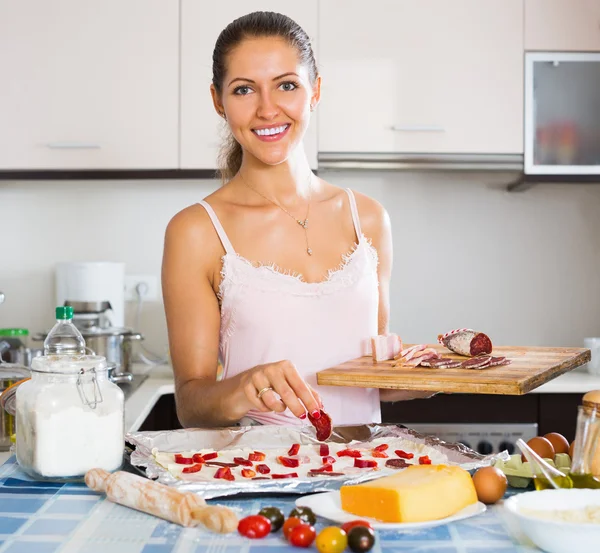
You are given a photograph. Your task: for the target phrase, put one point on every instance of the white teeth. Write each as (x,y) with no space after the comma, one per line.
(269,132)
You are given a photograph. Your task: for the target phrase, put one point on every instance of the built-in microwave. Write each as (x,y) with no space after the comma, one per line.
(562,113)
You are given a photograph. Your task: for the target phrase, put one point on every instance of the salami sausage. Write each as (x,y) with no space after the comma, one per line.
(480,362)
(467,342)
(323,425)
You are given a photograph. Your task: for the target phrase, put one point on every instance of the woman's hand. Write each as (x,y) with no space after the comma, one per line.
(277,386)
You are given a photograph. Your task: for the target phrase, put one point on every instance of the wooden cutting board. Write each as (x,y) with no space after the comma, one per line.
(531,367)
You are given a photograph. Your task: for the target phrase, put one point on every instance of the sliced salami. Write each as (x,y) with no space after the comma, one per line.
(480,362)
(396,464)
(497,361)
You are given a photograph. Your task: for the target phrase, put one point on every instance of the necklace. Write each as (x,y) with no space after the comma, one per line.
(302,222)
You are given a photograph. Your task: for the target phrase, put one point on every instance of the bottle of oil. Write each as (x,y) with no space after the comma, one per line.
(583,472)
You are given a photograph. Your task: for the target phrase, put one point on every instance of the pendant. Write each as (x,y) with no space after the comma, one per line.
(309,251)
(303,224)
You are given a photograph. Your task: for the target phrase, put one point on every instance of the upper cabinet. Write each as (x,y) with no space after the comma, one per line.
(202,130)
(409,76)
(87,88)
(562,25)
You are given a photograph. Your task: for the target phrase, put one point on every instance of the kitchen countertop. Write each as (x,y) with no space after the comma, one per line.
(38,517)
(41,517)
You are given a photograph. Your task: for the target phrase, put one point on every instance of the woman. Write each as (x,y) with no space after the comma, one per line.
(278,273)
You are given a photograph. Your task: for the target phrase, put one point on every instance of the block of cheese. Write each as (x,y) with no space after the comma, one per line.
(415,494)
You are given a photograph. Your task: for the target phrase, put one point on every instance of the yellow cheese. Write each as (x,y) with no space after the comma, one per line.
(415,494)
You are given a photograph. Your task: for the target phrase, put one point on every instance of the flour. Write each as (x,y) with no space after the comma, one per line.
(58,436)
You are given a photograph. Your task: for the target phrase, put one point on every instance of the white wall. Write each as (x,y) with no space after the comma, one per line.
(524,267)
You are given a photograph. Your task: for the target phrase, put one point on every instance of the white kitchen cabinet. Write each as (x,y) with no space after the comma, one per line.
(89,87)
(432,76)
(201,128)
(562,25)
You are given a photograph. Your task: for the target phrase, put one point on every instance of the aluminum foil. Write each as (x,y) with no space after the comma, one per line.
(266,437)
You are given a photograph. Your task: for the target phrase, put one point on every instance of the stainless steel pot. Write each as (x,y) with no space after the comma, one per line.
(113,343)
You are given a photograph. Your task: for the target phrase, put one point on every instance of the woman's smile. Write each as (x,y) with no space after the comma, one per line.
(271,133)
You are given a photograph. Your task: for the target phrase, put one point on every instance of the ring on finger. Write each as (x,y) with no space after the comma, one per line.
(263,391)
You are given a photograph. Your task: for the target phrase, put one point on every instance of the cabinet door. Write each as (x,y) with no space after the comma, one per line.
(201,128)
(87,88)
(561,25)
(421,76)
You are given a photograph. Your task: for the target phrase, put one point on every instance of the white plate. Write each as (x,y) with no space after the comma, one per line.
(328,505)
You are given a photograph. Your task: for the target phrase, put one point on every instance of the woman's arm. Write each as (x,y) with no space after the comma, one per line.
(376,226)
(191,267)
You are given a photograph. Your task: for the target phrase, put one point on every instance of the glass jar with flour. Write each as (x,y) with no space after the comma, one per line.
(70,418)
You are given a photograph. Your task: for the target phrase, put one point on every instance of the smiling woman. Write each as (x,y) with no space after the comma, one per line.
(278,274)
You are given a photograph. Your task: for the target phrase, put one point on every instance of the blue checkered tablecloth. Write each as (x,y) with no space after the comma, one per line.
(40,517)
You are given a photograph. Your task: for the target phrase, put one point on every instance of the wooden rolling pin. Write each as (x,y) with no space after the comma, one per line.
(184,508)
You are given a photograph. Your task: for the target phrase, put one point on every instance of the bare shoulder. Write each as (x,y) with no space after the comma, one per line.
(191,230)
(374,218)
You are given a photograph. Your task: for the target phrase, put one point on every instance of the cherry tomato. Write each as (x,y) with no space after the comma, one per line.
(302,535)
(347,526)
(331,540)
(254,526)
(290,524)
(361,539)
(305,514)
(274,515)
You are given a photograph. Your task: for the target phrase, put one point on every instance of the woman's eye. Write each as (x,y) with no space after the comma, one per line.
(242,90)
(288,86)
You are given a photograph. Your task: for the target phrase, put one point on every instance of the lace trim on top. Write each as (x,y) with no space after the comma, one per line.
(238,273)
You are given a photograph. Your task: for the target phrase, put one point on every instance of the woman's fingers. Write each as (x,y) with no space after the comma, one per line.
(264,388)
(295,392)
(251,394)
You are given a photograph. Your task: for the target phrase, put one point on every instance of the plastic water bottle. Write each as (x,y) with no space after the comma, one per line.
(64,338)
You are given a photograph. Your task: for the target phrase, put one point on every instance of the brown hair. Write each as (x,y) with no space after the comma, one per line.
(254,25)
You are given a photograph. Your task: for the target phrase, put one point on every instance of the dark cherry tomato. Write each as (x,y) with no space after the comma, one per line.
(275,515)
(347,526)
(254,526)
(289,525)
(361,539)
(305,514)
(302,535)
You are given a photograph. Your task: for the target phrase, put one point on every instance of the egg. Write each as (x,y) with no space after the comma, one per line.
(490,484)
(558,441)
(571,449)
(542,447)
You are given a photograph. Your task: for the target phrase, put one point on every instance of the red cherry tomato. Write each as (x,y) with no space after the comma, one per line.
(302,535)
(289,525)
(254,526)
(347,526)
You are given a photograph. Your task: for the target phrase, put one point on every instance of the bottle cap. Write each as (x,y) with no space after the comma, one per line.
(14,332)
(64,312)
(591,400)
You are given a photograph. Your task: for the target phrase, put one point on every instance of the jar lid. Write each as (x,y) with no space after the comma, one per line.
(12,371)
(68,364)
(14,332)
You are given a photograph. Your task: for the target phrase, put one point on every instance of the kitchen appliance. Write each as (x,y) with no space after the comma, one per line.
(92,288)
(483,438)
(562,114)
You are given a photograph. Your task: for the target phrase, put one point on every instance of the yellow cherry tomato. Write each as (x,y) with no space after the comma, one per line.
(331,539)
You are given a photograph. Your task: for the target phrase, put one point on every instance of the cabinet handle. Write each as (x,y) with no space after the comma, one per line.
(73,146)
(417,128)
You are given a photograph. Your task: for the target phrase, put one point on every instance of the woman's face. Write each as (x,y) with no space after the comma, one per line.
(267,97)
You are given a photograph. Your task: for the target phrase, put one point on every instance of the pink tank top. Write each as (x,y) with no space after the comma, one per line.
(268,315)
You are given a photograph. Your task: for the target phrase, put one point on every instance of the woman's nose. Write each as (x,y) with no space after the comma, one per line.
(267,107)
